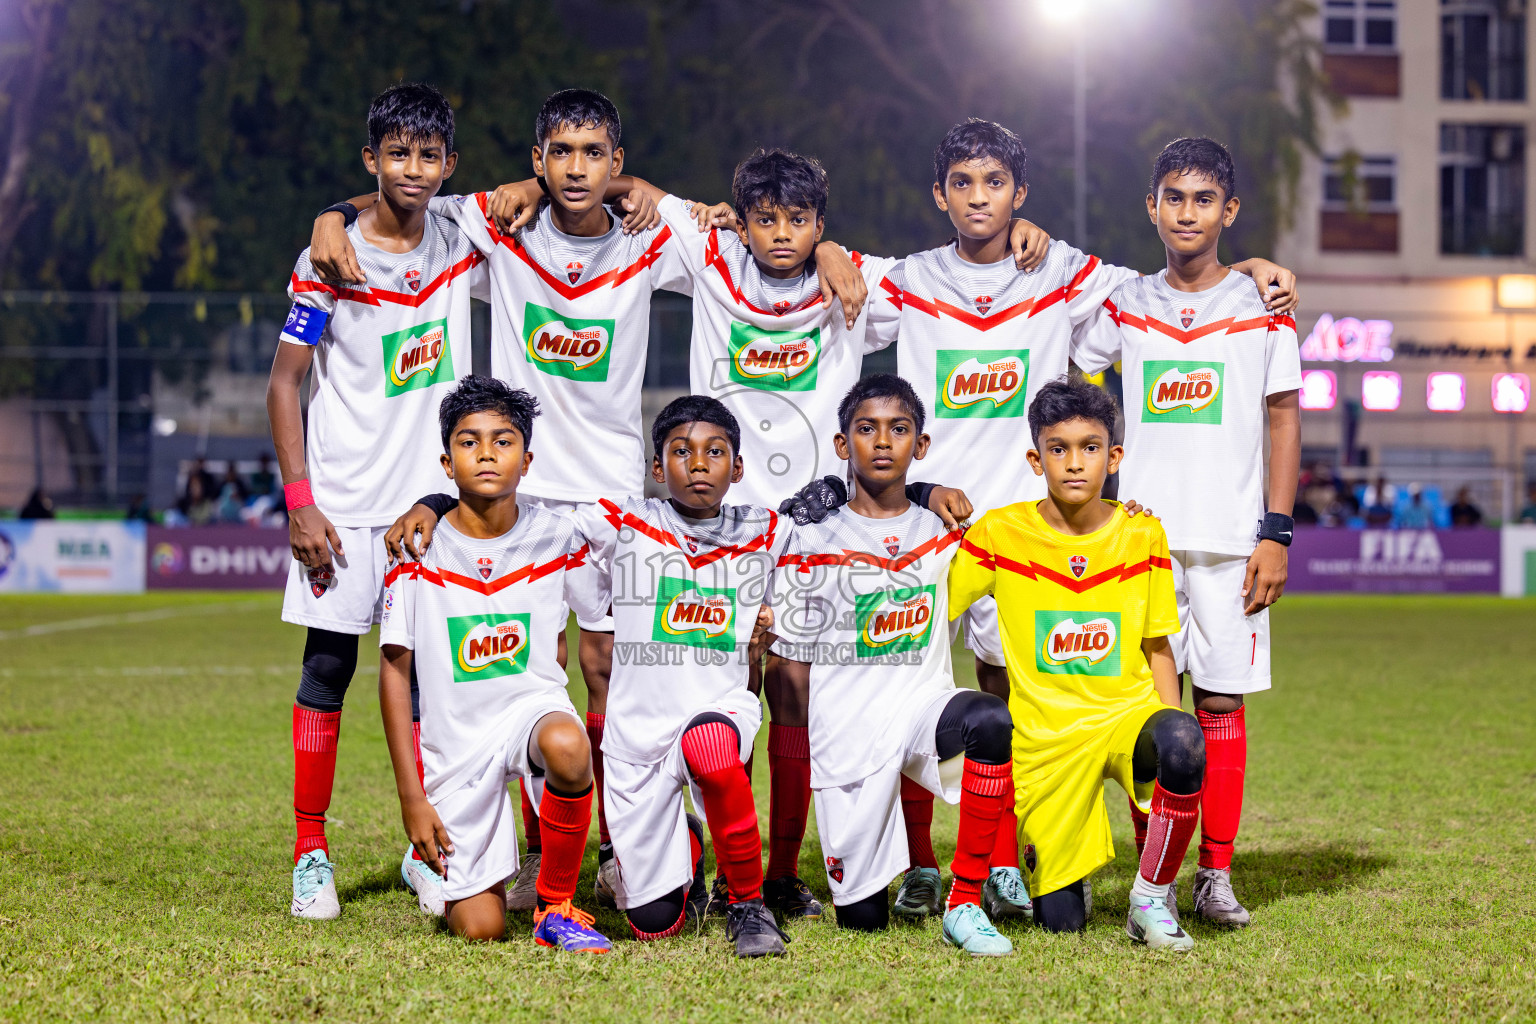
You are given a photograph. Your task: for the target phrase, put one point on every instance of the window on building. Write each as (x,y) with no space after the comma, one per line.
(1482,49)
(1360,26)
(1360,184)
(1482,189)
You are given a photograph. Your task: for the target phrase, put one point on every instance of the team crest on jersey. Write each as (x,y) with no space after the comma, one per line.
(983,304)
(892,621)
(1182,392)
(488,646)
(573,271)
(892,545)
(1186,317)
(693,544)
(320,580)
(417,357)
(835,869)
(775,360)
(413,280)
(697,616)
(782,306)
(1077,643)
(565,346)
(485,566)
(1078,564)
(981,383)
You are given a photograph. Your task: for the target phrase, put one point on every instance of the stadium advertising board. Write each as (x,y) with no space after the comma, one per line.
(71,556)
(1395,561)
(217,557)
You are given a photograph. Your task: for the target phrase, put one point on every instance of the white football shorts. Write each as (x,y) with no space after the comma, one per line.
(479,816)
(1223,650)
(644,805)
(604,624)
(349,598)
(981,632)
(863,836)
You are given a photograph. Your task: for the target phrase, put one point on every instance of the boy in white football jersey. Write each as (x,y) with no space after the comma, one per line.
(691,576)
(476,622)
(860,610)
(383,356)
(1205,364)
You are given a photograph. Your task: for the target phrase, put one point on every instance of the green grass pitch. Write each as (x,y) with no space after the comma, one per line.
(1388,850)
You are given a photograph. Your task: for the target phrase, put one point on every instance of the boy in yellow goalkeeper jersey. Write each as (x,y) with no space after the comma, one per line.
(1086,605)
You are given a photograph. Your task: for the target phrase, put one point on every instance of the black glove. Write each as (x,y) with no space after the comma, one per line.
(816,500)
(440,504)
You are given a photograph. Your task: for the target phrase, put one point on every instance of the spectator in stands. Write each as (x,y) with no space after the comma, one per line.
(1321,491)
(139,510)
(1528,514)
(196,505)
(208,486)
(1378,504)
(264,480)
(1416,514)
(38,506)
(1464,514)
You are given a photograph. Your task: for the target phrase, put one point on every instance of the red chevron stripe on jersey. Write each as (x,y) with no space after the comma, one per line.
(900,562)
(618,518)
(712,258)
(1027,308)
(614,277)
(527,574)
(379,296)
(1231,325)
(1036,571)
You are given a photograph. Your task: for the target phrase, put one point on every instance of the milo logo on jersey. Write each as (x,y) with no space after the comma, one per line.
(1181,391)
(775,360)
(980,383)
(1077,643)
(488,646)
(892,621)
(567,346)
(417,357)
(694,615)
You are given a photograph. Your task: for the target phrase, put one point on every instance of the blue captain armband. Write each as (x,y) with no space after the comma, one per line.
(305,324)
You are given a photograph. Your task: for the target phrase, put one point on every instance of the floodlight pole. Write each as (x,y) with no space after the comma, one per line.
(1080,136)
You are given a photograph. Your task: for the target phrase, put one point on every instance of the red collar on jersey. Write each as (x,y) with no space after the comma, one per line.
(1231,325)
(618,518)
(712,258)
(527,574)
(379,296)
(562,287)
(1036,571)
(932,545)
(1027,308)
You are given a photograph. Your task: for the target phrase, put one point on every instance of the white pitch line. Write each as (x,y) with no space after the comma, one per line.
(127,618)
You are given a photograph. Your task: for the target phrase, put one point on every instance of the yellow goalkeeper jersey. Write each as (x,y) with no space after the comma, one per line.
(1072,611)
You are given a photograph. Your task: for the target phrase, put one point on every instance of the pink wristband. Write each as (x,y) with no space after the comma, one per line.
(297,495)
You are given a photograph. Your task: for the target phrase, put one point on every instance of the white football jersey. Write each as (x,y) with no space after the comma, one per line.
(772,354)
(1197,367)
(385,355)
(685,598)
(484,619)
(977,341)
(570,324)
(865,603)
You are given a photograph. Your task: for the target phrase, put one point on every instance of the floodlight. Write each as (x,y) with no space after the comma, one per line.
(1516,291)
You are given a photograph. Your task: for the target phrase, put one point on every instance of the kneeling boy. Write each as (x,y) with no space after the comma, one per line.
(484,608)
(1085,602)
(861,612)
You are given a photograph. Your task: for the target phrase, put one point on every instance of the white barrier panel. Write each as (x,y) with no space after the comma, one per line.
(1518,551)
(71,556)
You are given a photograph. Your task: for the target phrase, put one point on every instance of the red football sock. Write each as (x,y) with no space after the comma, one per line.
(652,936)
(1170,827)
(564,821)
(421,770)
(595,739)
(712,752)
(1221,807)
(789,800)
(1005,850)
(314,775)
(531,837)
(985,790)
(917,811)
(1139,823)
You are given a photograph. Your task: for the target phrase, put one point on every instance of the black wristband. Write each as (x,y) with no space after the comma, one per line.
(918,493)
(440,504)
(1278,527)
(347,210)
